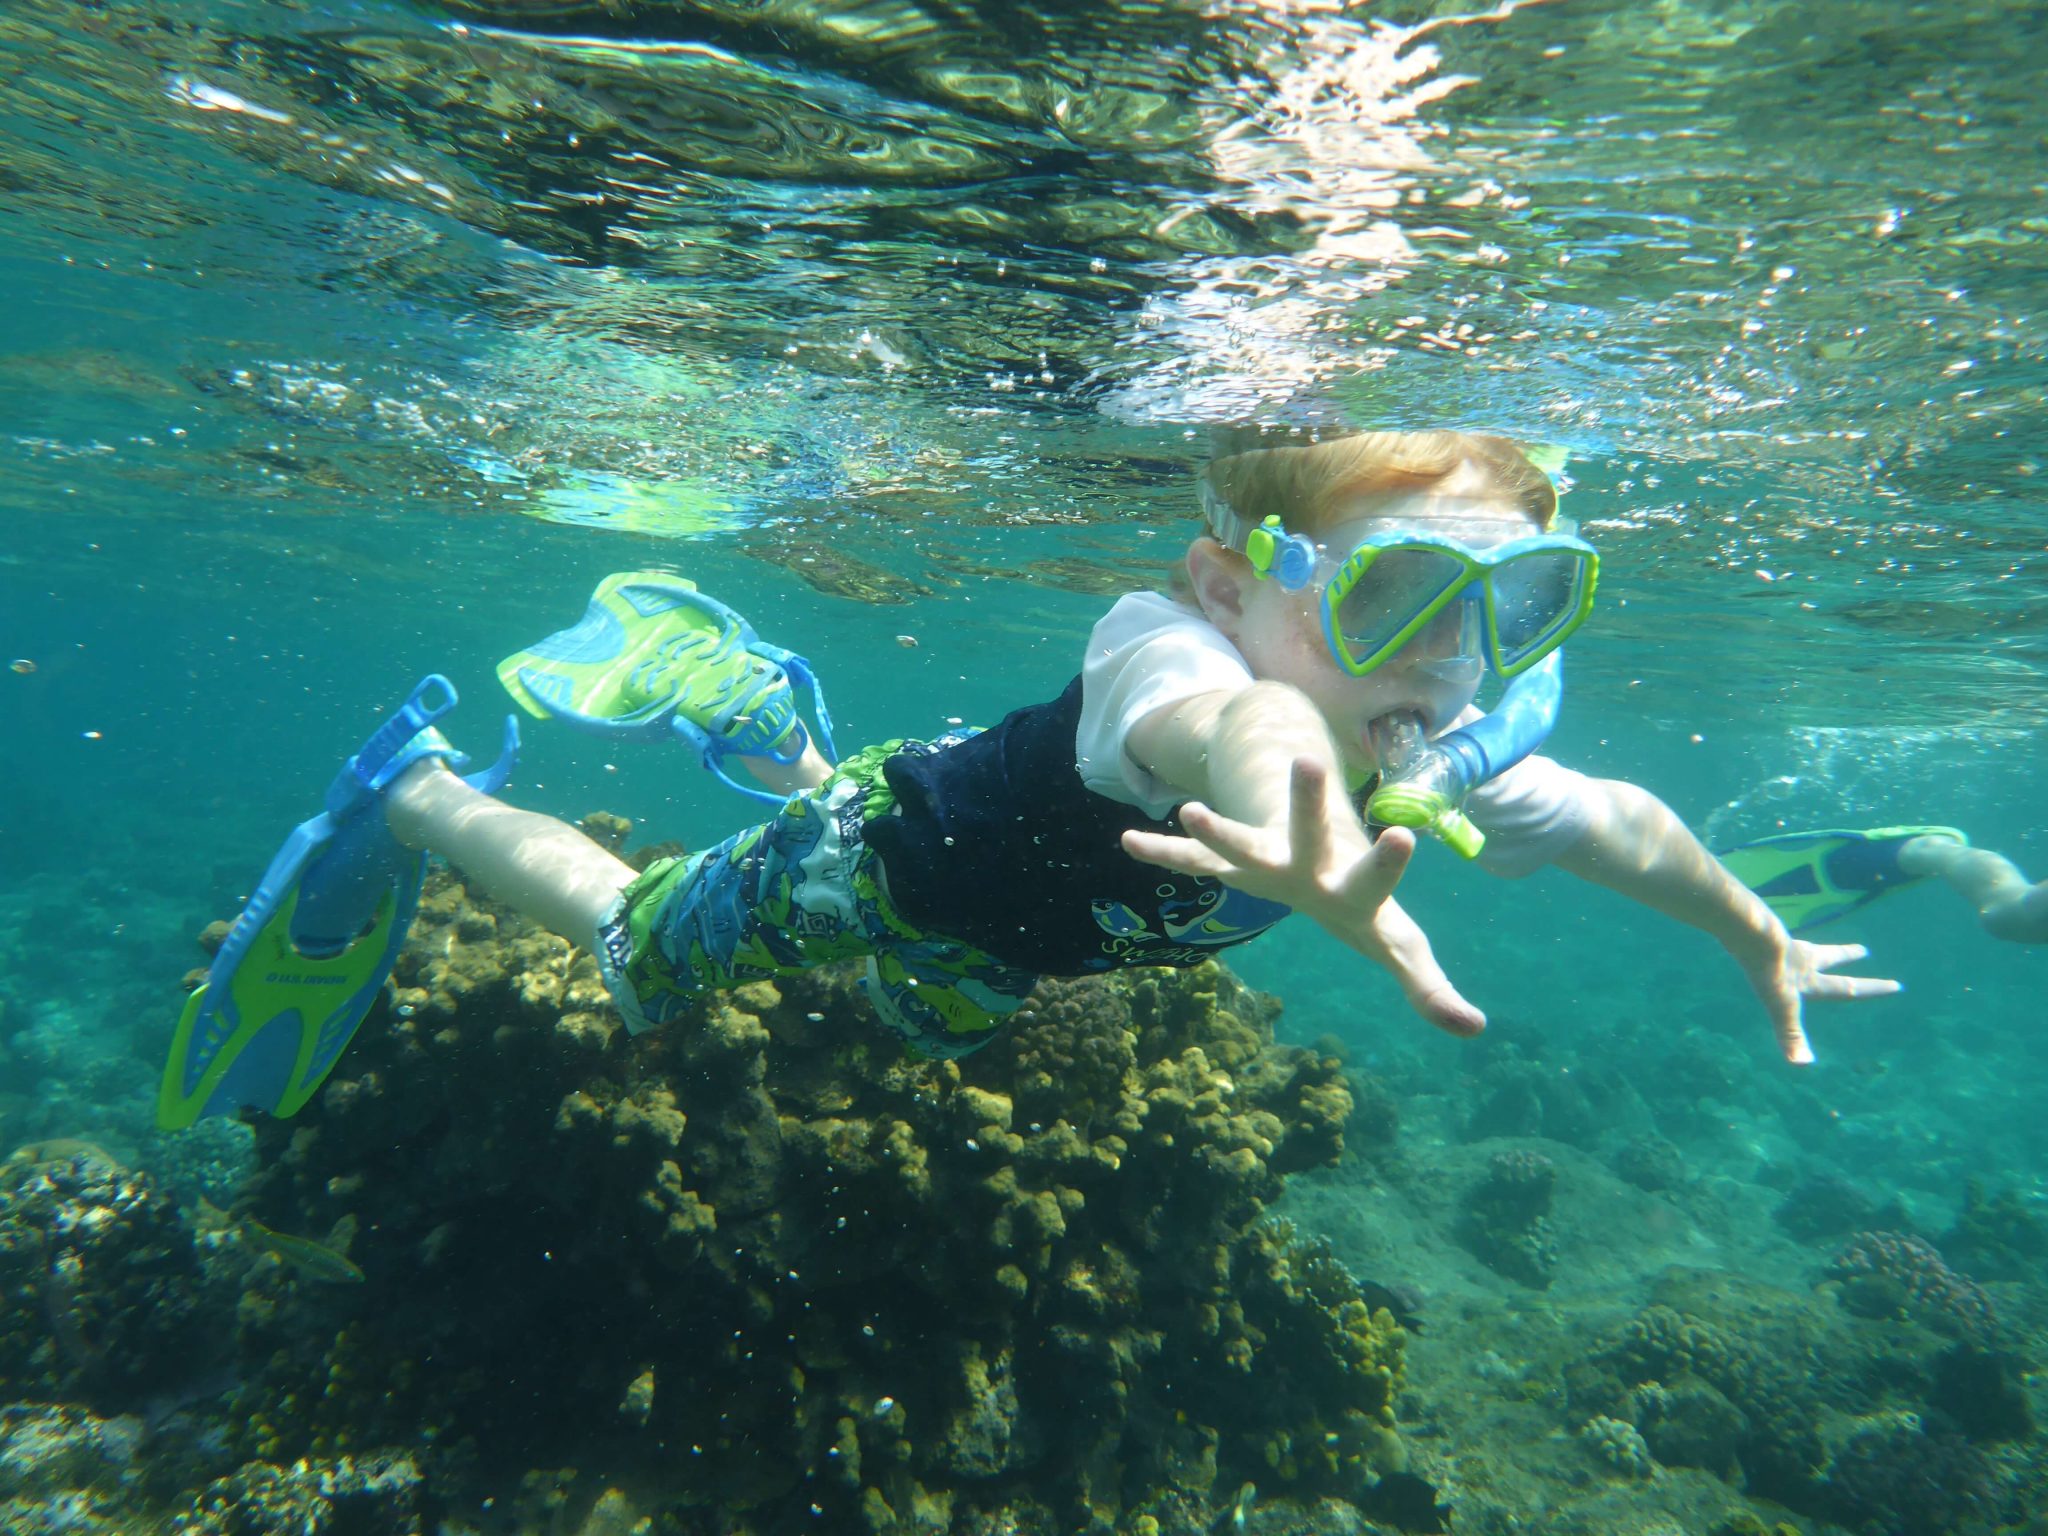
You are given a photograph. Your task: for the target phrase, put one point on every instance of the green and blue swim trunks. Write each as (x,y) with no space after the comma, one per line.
(803,890)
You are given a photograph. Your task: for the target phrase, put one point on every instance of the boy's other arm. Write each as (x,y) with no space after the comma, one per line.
(1267,813)
(1635,844)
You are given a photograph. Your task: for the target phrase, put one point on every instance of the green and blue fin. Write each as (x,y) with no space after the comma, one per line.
(652,657)
(282,999)
(1810,878)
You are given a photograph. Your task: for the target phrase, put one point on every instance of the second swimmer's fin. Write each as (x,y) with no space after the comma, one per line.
(1810,878)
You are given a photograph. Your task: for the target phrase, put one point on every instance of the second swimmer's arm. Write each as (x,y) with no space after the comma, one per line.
(1635,844)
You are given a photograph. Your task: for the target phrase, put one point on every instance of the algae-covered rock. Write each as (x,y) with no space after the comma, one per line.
(877,1293)
(102,1288)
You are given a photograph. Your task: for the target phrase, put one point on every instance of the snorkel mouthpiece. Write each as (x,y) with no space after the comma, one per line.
(1423,784)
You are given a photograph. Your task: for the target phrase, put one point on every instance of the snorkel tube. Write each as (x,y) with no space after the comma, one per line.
(1423,783)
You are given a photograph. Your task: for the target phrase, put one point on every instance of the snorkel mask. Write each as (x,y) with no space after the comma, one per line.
(1413,577)
(1387,579)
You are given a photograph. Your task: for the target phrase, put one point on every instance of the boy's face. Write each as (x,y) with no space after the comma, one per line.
(1280,635)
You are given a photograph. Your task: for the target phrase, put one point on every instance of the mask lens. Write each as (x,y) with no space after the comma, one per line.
(1534,596)
(1393,589)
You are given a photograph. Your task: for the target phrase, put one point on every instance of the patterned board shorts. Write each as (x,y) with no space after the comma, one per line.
(803,890)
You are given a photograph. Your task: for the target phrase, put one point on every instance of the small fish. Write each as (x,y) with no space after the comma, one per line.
(1401,1300)
(61,1307)
(314,1260)
(908,642)
(22,666)
(1241,1507)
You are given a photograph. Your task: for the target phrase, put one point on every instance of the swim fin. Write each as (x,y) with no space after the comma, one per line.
(309,954)
(652,656)
(1810,878)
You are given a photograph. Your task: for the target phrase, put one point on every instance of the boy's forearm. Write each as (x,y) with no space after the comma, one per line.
(1235,751)
(1636,844)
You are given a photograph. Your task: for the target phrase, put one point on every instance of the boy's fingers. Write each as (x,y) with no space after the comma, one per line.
(1399,944)
(1431,994)
(1449,1012)
(1855,986)
(1792,1036)
(1308,815)
(1182,854)
(1233,840)
(1383,867)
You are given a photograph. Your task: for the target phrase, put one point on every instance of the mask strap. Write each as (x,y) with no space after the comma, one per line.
(1289,558)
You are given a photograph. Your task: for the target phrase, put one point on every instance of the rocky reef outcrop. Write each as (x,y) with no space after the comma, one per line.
(761,1271)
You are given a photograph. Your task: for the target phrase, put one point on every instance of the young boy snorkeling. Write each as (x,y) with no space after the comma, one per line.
(1196,782)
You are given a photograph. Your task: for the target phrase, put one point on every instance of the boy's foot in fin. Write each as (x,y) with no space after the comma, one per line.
(1810,878)
(308,956)
(653,655)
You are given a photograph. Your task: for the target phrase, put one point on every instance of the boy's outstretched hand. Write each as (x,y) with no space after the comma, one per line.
(1321,862)
(1789,970)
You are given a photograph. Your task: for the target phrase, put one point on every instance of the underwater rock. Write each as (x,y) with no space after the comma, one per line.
(878,1293)
(1894,1274)
(370,1495)
(1505,1218)
(102,1293)
(1895,1480)
(1997,1236)
(1651,1163)
(1982,1393)
(609,832)
(1828,1205)
(1711,1397)
(61,1468)
(1690,1425)
(207,1161)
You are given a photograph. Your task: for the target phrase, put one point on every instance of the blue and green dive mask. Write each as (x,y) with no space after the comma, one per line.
(1460,580)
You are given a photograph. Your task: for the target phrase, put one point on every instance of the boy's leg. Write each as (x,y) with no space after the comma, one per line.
(543,867)
(2009,908)
(806,773)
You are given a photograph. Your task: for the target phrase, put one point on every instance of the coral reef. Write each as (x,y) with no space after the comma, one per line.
(1651,1163)
(780,1273)
(1618,1443)
(101,1286)
(377,1494)
(1704,1396)
(1825,1205)
(60,1468)
(1517,1096)
(1996,1236)
(1894,1479)
(1893,1274)
(1982,1393)
(1505,1218)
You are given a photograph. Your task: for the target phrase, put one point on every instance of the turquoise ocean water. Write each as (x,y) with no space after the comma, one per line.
(345,342)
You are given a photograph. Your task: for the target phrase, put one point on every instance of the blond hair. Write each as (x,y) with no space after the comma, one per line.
(1307,482)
